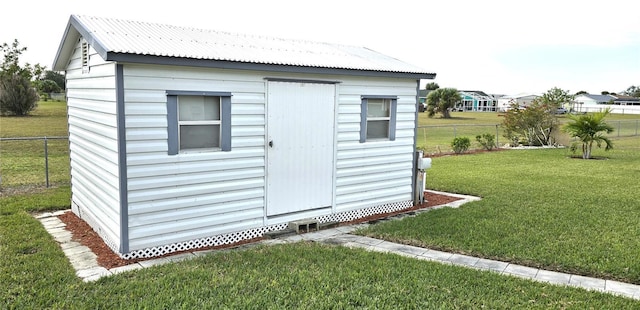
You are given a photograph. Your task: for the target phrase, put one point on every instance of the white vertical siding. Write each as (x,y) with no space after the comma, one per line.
(91,101)
(300,163)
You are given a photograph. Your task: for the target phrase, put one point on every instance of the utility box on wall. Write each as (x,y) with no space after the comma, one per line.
(424,163)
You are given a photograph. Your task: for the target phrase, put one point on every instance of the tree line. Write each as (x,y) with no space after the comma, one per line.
(22,86)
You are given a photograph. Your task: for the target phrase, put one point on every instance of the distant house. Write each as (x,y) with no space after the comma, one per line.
(591,100)
(184,138)
(616,103)
(625,100)
(522,100)
(475,100)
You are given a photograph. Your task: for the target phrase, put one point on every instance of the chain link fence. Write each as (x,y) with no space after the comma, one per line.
(34,161)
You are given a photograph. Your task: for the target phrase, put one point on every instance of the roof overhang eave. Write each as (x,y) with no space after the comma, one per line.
(75,29)
(223,64)
(65,48)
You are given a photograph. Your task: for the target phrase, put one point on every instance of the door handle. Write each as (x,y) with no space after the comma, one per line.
(271,143)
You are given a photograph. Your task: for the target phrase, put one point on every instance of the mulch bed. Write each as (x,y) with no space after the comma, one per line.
(84,234)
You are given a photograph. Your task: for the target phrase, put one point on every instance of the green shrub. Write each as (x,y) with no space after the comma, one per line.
(532,125)
(460,144)
(17,96)
(486,140)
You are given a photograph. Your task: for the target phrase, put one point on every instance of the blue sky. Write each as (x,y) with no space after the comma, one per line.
(503,47)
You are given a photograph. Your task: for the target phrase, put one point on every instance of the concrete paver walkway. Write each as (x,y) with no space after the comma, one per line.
(342,237)
(87,268)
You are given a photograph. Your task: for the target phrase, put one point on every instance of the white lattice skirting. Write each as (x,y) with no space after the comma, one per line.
(203,242)
(236,237)
(360,213)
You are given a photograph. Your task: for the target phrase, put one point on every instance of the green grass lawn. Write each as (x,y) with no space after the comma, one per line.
(539,208)
(22,163)
(36,275)
(48,119)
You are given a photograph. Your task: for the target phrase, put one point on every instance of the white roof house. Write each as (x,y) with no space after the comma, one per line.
(522,100)
(588,99)
(183,138)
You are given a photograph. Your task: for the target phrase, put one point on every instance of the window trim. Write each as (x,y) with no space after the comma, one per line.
(173,123)
(393,109)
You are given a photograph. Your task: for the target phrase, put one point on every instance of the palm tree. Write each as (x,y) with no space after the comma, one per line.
(442,100)
(590,128)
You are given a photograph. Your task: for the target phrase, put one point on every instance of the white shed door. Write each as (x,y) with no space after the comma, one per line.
(300,133)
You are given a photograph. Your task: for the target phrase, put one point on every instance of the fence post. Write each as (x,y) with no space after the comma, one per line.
(424,133)
(619,128)
(637,127)
(497,141)
(46,162)
(454,131)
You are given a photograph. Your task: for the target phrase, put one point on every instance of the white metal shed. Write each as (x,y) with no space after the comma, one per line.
(183,138)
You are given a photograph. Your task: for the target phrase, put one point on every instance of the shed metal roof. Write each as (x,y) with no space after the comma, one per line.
(114,39)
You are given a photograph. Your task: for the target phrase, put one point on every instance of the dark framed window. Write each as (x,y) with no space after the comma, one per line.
(378,118)
(198,121)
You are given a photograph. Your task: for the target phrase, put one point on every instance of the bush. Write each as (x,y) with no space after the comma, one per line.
(17,96)
(533,125)
(460,144)
(486,140)
(46,87)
